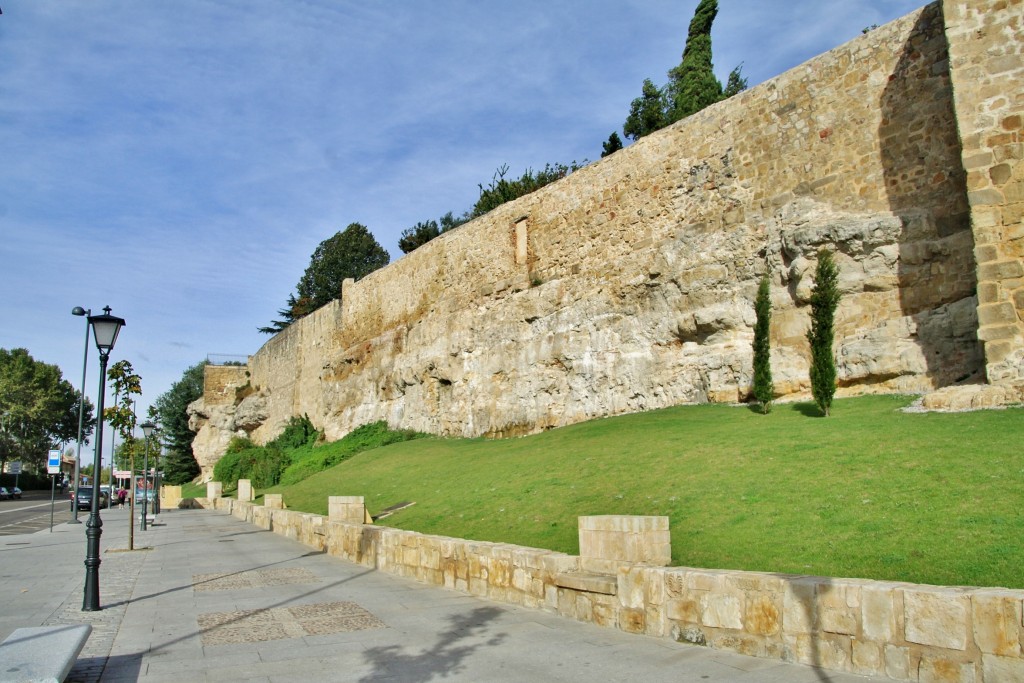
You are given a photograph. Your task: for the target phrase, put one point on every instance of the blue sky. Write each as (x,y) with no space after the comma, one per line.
(180,161)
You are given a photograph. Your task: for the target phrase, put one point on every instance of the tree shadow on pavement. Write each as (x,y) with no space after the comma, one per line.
(448,656)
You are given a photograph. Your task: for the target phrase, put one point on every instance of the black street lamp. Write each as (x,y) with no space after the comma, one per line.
(147,428)
(78,310)
(104,329)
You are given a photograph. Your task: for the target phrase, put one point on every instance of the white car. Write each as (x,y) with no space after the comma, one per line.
(4,494)
(15,492)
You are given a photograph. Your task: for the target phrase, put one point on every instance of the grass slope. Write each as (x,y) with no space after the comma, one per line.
(869,492)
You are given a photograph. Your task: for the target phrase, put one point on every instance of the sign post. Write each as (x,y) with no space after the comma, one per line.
(53,469)
(14,467)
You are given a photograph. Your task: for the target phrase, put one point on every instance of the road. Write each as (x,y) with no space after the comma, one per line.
(32,513)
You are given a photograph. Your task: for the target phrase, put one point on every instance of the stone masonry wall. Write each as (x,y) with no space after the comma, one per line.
(987,65)
(898,630)
(629,285)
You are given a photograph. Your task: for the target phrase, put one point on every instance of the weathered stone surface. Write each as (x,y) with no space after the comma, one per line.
(944,670)
(996,616)
(629,285)
(937,618)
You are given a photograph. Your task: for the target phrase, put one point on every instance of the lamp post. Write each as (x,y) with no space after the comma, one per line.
(147,428)
(78,310)
(105,329)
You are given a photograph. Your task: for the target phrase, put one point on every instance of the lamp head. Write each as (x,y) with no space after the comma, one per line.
(148,428)
(105,329)
(78,310)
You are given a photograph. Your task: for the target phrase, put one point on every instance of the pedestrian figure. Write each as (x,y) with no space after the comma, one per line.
(121,495)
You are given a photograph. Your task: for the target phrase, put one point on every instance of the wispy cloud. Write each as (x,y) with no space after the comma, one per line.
(180,161)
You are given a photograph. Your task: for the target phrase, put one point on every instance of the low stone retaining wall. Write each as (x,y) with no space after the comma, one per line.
(903,631)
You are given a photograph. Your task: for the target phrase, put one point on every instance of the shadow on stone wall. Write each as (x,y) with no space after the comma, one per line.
(925,185)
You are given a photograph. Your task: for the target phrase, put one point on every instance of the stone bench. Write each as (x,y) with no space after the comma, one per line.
(41,654)
(588,583)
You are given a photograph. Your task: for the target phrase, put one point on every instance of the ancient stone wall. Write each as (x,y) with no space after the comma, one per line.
(987,65)
(901,631)
(629,285)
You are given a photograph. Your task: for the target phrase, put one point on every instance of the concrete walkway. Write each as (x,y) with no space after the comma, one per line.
(211,598)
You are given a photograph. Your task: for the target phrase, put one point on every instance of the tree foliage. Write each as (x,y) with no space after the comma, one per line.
(127,385)
(824,301)
(421,233)
(502,189)
(38,408)
(647,112)
(350,253)
(764,389)
(612,145)
(179,463)
(691,86)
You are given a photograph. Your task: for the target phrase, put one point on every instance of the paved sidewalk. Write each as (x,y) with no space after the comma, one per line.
(216,599)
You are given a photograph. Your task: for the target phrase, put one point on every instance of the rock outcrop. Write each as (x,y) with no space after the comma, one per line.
(629,285)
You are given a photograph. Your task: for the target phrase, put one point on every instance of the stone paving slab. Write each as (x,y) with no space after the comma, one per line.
(265,608)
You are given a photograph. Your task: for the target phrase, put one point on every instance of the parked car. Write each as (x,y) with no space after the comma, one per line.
(85,498)
(15,492)
(4,493)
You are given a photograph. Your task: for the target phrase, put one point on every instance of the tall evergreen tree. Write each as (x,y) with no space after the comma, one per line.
(824,301)
(692,85)
(764,389)
(179,464)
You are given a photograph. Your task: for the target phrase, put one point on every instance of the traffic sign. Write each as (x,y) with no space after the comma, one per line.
(53,462)
(14,467)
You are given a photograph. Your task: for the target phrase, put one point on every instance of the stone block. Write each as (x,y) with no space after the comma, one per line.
(723,611)
(245,491)
(935,669)
(936,617)
(632,620)
(798,611)
(997,314)
(762,614)
(349,509)
(996,616)
(686,609)
(995,668)
(838,608)
(866,658)
(897,662)
(214,489)
(878,616)
(273,501)
(623,538)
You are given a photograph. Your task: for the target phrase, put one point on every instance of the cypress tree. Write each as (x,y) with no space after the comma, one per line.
(824,301)
(763,388)
(692,85)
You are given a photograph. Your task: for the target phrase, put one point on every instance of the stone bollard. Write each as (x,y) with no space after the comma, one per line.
(273,501)
(245,491)
(347,509)
(608,540)
(214,489)
(170,497)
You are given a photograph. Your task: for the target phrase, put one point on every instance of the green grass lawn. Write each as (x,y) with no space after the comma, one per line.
(869,492)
